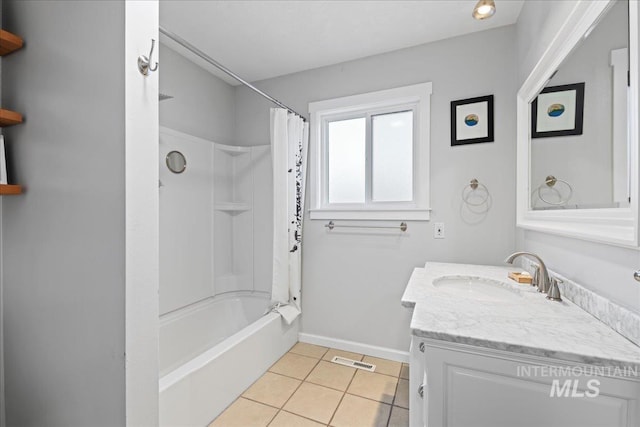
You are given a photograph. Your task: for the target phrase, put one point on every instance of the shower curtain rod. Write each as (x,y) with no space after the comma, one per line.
(182,42)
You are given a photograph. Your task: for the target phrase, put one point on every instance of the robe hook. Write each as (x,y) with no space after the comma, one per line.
(144,63)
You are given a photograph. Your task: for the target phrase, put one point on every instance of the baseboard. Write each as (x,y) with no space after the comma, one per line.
(355,347)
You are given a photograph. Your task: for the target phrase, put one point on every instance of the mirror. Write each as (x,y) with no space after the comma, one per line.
(578,138)
(176,162)
(579,178)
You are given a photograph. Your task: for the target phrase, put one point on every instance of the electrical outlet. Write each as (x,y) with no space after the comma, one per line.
(438,230)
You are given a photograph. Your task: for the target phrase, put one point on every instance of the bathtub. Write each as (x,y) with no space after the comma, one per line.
(212,351)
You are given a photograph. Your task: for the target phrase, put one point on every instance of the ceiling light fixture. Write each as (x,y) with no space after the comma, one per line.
(484,9)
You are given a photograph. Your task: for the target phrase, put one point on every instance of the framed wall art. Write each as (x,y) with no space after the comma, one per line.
(472,120)
(558,111)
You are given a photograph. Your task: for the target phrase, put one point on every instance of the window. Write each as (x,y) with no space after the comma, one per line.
(371,155)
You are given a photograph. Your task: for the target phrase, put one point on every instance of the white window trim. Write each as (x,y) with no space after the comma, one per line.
(418,96)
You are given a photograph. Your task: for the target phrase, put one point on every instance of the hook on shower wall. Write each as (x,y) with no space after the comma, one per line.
(144,63)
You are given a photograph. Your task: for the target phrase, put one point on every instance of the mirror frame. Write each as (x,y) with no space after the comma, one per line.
(616,226)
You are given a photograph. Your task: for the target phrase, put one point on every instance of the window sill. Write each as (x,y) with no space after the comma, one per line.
(372,215)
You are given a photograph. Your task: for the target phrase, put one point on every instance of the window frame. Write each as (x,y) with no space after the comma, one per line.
(414,98)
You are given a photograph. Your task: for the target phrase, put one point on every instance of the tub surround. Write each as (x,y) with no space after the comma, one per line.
(212,221)
(536,326)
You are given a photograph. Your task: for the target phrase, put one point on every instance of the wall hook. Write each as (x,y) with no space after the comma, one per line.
(144,63)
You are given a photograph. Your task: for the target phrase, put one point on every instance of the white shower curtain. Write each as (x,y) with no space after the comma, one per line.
(289,144)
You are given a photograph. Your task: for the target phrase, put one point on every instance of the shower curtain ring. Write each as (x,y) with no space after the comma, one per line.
(144,63)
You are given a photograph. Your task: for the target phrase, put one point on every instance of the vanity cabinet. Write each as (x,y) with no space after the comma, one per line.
(459,385)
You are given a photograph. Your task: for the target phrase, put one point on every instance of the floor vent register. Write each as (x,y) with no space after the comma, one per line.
(354,363)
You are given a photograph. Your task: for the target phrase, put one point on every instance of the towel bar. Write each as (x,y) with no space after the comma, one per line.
(331,225)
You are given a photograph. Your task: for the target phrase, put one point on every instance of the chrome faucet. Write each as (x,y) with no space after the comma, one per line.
(541,278)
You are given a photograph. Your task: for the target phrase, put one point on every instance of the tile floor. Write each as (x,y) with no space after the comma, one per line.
(304,388)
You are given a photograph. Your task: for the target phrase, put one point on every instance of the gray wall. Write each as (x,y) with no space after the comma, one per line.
(353,281)
(63,240)
(203,105)
(605,269)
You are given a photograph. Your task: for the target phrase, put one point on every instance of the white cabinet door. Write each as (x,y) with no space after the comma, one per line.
(468,386)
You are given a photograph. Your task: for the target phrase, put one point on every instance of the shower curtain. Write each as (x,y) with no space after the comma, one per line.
(289,144)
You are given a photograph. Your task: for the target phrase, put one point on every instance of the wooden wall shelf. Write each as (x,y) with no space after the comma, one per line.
(10,190)
(9,42)
(9,118)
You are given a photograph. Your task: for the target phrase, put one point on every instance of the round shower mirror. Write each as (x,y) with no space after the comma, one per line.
(176,162)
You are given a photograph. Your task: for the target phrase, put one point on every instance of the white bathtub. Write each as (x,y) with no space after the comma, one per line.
(212,351)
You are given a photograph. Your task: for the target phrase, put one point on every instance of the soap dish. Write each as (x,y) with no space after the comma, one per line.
(521,277)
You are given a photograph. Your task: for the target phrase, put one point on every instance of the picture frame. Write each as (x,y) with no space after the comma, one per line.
(558,111)
(472,120)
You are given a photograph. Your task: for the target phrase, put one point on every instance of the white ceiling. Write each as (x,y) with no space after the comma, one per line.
(264,39)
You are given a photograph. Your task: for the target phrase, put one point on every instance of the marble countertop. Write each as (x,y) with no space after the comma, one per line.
(527,323)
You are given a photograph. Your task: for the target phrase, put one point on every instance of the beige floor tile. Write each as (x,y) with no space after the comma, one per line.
(294,365)
(373,386)
(357,411)
(314,401)
(402,394)
(331,375)
(334,352)
(286,419)
(399,417)
(384,366)
(309,350)
(272,389)
(243,413)
(404,371)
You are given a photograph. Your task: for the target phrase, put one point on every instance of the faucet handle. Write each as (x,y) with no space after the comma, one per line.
(554,290)
(536,277)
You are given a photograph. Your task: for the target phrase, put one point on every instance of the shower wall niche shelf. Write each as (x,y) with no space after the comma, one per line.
(9,118)
(233,150)
(10,190)
(233,179)
(242,195)
(232,207)
(9,42)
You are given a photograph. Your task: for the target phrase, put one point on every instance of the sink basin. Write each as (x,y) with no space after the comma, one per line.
(477,288)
